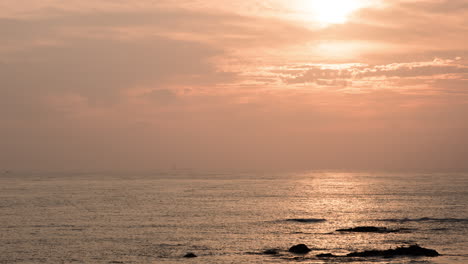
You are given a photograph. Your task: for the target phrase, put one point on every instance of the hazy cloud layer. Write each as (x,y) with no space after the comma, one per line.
(218,84)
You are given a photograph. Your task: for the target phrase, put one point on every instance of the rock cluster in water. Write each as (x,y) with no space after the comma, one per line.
(369,229)
(414,251)
(190,255)
(300,249)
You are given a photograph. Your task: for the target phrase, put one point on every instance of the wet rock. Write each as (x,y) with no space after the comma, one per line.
(271,252)
(307,220)
(369,229)
(413,250)
(300,249)
(190,255)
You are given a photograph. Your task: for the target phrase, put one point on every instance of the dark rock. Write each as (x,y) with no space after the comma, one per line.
(190,255)
(271,252)
(307,220)
(416,250)
(368,229)
(300,249)
(326,255)
(413,250)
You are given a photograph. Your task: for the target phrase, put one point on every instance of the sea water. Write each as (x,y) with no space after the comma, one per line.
(229,217)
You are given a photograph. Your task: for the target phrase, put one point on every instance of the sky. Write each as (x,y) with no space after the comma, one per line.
(246,84)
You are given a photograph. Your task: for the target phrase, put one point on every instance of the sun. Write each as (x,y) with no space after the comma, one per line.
(329,11)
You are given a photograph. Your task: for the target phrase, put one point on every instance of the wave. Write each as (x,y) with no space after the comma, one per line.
(307,220)
(426,219)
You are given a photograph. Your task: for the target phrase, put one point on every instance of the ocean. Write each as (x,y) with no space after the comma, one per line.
(230,217)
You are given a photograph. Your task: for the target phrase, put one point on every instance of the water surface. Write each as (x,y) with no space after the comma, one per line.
(228,217)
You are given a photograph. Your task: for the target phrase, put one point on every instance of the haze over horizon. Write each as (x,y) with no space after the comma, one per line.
(216,84)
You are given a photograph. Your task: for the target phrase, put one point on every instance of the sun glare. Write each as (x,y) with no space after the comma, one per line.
(329,11)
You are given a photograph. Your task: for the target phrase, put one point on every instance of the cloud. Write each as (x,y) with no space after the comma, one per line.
(100,68)
(158,84)
(161,96)
(322,76)
(404,30)
(453,86)
(442,7)
(216,28)
(343,75)
(415,69)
